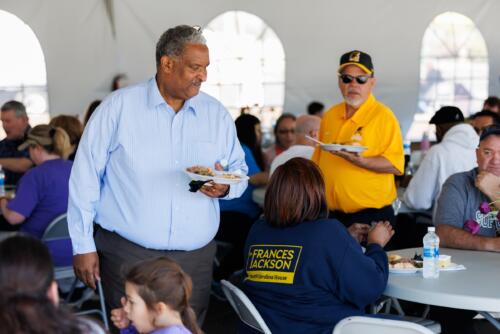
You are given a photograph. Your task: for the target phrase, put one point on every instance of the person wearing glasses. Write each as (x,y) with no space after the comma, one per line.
(284,134)
(360,186)
(482,119)
(129,197)
(464,220)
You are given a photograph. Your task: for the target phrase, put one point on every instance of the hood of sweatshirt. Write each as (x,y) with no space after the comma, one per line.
(462,135)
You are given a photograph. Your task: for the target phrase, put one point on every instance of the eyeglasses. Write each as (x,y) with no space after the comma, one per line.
(361,79)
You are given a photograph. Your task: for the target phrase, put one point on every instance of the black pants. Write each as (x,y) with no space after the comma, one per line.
(453,321)
(233,229)
(366,216)
(117,254)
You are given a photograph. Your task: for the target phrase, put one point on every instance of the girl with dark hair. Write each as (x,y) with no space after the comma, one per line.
(157,300)
(28,293)
(42,193)
(238,215)
(305,272)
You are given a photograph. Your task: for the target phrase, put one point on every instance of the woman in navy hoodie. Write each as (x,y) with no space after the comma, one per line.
(305,272)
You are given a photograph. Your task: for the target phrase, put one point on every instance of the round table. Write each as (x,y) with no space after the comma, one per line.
(476,288)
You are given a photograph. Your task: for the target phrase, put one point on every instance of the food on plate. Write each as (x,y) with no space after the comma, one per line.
(399,262)
(444,261)
(403,265)
(200,170)
(230,176)
(393,257)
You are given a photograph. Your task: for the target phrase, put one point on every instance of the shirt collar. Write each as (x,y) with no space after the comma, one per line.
(363,111)
(155,98)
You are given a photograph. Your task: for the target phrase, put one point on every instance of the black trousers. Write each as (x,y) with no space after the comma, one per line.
(366,216)
(233,229)
(117,254)
(453,321)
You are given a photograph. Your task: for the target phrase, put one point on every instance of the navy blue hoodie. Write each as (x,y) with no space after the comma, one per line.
(308,277)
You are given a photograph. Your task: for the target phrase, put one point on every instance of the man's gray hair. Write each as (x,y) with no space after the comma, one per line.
(173,41)
(16,106)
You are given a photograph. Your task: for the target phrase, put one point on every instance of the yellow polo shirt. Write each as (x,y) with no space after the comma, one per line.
(350,188)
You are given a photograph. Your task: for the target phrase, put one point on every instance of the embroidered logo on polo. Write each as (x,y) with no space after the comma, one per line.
(273,263)
(487,221)
(357,136)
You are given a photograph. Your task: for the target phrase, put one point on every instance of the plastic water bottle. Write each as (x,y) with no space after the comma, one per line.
(2,182)
(431,254)
(425,143)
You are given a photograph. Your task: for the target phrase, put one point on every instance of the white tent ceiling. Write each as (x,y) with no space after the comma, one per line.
(83,52)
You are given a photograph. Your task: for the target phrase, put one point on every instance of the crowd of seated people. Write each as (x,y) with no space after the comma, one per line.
(304,226)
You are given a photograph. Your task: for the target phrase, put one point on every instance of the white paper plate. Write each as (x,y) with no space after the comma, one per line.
(453,267)
(403,270)
(348,148)
(218,178)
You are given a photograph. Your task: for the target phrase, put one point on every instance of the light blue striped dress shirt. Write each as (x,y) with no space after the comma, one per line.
(128,175)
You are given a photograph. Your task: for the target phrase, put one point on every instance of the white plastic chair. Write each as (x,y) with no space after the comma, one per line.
(356,325)
(244,307)
(58,230)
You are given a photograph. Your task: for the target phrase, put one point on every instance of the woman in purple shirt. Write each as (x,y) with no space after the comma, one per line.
(42,193)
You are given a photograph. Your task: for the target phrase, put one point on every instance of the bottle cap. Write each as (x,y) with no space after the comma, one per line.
(431,229)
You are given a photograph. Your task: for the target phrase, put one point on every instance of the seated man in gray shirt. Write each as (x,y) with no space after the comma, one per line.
(463,218)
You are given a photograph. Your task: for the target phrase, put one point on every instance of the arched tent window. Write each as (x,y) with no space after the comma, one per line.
(453,69)
(247,65)
(22,68)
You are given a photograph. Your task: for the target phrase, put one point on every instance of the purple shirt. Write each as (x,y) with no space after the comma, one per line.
(176,329)
(41,196)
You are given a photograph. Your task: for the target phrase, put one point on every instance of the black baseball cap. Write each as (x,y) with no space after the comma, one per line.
(493,129)
(447,114)
(357,58)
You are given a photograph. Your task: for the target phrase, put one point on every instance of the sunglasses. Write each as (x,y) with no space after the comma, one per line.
(361,79)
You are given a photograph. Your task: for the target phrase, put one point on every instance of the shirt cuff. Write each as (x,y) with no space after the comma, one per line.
(83,245)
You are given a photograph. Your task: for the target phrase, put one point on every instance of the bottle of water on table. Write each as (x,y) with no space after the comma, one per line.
(2,181)
(431,254)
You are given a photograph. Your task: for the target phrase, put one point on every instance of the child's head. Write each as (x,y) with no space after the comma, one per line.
(156,288)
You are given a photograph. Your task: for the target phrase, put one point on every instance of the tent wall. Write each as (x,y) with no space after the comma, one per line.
(82,55)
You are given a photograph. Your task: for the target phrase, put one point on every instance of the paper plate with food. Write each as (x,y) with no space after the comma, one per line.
(201,173)
(404,265)
(352,147)
(445,264)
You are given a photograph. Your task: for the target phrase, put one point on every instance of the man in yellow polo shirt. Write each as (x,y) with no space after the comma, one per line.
(360,186)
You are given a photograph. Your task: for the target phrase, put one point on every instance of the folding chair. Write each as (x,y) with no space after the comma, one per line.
(58,230)
(355,325)
(244,308)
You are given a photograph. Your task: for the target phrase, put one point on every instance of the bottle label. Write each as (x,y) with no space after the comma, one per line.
(431,252)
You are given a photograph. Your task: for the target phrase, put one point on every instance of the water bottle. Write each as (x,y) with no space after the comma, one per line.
(425,143)
(407,152)
(431,254)
(2,182)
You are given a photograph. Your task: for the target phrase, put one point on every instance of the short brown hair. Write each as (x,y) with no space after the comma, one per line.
(295,193)
(70,124)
